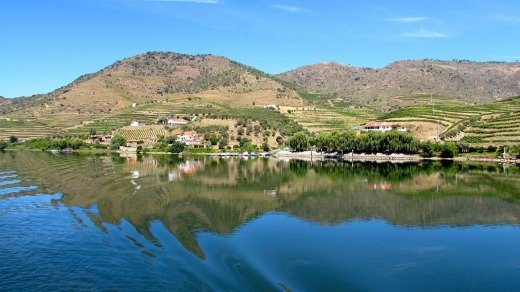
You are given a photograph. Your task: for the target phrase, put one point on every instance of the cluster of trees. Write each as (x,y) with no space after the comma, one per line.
(387,142)
(54,144)
(349,140)
(3,145)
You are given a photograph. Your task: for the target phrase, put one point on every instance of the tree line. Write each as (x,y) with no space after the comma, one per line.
(348,140)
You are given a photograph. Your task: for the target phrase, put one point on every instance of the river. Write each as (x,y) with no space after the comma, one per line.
(104,222)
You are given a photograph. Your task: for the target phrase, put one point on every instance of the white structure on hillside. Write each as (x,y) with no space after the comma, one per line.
(172,121)
(381,127)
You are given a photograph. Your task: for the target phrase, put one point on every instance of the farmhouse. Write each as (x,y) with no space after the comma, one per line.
(172,121)
(381,126)
(191,138)
(101,138)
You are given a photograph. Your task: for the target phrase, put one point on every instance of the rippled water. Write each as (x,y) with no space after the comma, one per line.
(81,222)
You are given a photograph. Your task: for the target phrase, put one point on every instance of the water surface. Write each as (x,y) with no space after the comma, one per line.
(81,222)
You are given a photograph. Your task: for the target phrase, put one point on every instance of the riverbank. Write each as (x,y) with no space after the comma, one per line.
(380,157)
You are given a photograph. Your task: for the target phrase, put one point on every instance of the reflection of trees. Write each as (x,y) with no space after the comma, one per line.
(221,194)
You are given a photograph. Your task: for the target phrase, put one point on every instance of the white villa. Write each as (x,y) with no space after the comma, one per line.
(381,126)
(172,121)
(191,139)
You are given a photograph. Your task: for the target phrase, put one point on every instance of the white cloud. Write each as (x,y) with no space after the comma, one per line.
(422,33)
(407,19)
(191,1)
(292,9)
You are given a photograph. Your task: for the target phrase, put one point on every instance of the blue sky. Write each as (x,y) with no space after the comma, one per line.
(47,44)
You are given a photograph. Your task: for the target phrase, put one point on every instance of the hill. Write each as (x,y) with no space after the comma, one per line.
(220,95)
(143,87)
(405,83)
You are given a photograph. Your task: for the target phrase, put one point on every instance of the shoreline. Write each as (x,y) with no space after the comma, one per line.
(380,157)
(313,155)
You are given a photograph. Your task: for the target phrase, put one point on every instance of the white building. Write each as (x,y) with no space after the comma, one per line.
(381,126)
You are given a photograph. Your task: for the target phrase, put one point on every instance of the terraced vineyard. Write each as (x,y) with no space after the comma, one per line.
(319,119)
(489,124)
(25,130)
(143,114)
(140,133)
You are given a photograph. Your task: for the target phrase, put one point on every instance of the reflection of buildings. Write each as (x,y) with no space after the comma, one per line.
(382,186)
(270,192)
(185,169)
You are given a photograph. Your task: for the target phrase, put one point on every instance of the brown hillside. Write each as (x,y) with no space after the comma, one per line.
(397,84)
(151,78)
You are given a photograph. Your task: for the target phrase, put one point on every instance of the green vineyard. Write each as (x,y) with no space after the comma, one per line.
(495,123)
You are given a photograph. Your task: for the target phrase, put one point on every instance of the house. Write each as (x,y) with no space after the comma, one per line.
(172,121)
(271,106)
(381,126)
(191,138)
(376,126)
(101,138)
(136,124)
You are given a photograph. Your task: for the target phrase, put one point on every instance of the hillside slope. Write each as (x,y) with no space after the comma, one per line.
(405,83)
(151,78)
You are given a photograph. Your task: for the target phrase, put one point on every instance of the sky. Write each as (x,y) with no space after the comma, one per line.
(46,44)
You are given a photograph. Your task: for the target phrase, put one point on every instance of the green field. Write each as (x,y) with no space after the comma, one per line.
(487,124)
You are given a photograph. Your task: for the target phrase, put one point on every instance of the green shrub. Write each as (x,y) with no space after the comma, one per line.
(3,145)
(449,150)
(176,147)
(117,141)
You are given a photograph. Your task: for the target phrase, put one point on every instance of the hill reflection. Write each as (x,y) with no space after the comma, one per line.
(219,195)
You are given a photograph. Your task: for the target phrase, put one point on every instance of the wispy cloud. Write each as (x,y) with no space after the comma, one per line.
(190,1)
(509,19)
(422,33)
(407,19)
(292,9)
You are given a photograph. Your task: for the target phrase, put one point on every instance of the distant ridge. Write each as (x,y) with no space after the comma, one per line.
(467,81)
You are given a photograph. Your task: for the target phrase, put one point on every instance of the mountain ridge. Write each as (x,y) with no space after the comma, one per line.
(320,97)
(467,81)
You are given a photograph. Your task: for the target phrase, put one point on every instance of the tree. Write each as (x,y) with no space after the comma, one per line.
(117,141)
(177,147)
(265,147)
(427,149)
(3,145)
(75,143)
(299,142)
(222,143)
(449,150)
(214,140)
(13,139)
(240,131)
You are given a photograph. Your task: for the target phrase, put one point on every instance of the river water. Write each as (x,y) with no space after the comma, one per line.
(84,222)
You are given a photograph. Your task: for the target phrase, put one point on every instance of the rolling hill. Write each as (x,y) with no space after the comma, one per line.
(407,83)
(220,92)
(143,87)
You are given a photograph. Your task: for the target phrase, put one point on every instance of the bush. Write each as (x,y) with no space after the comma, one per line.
(3,145)
(299,142)
(177,147)
(449,150)
(117,141)
(428,149)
